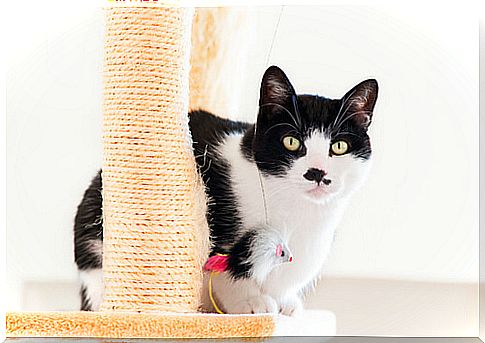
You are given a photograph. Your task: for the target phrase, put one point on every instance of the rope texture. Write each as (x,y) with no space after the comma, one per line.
(130,325)
(155,234)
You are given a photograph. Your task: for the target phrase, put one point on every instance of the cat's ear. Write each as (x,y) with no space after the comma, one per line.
(275,88)
(359,102)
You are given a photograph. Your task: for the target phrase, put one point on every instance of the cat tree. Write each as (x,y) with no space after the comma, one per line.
(155,232)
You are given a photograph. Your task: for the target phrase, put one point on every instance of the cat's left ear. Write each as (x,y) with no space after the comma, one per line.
(360,102)
(276,88)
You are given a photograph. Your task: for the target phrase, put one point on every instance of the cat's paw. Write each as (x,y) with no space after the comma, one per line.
(257,304)
(291,306)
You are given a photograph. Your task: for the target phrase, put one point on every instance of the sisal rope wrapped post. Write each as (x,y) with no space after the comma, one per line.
(222,39)
(155,236)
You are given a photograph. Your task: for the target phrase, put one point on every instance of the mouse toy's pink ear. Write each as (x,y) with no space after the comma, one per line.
(279,250)
(284,251)
(217,263)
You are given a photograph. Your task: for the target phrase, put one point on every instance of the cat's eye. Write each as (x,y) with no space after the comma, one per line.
(291,143)
(340,147)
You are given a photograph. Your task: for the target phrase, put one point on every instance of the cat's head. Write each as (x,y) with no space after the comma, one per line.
(309,145)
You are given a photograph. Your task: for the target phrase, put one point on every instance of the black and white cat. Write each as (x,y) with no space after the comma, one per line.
(293,171)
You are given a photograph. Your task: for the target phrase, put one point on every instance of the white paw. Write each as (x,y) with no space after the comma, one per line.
(257,304)
(291,306)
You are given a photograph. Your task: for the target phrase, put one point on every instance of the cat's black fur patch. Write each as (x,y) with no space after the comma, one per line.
(208,132)
(88,226)
(85,304)
(238,263)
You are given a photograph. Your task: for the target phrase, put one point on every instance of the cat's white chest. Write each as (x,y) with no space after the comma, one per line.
(309,227)
(311,235)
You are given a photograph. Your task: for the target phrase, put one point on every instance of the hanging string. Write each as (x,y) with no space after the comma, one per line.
(263,193)
(274,36)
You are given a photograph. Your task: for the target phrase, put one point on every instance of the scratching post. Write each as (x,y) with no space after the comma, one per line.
(152,229)
(222,39)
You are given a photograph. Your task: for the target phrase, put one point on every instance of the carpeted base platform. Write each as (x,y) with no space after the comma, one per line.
(167,325)
(131,325)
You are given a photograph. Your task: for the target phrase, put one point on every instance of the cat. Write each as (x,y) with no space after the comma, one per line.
(293,171)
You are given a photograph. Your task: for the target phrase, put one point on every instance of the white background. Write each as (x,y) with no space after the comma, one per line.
(414,225)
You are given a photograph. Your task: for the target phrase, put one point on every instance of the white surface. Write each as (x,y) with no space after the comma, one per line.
(416,218)
(380,307)
(306,323)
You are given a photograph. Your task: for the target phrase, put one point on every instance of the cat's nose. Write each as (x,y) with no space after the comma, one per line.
(317,175)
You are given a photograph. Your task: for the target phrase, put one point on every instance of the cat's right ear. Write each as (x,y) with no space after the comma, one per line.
(360,102)
(276,88)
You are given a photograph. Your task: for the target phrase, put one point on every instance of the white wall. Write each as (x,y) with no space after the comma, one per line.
(53,137)
(415,219)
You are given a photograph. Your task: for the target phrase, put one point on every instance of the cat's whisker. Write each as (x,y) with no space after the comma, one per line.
(353,114)
(283,107)
(281,124)
(297,111)
(338,113)
(342,115)
(348,133)
(344,101)
(276,163)
(208,167)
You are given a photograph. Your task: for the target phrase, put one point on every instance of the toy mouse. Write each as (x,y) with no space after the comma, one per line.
(254,255)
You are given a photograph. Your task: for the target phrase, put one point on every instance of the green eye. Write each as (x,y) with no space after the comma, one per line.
(291,143)
(340,147)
